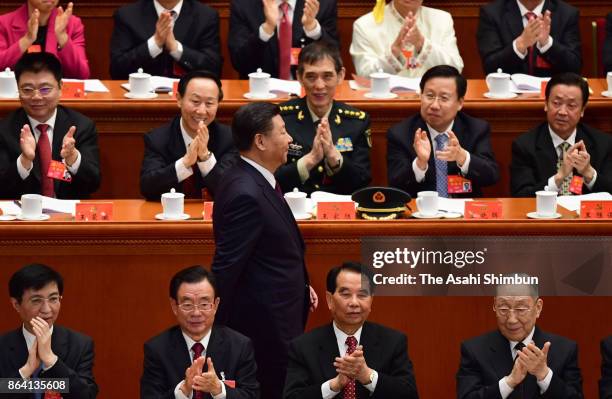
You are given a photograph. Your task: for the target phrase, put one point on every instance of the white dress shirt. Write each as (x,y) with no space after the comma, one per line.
(571,140)
(504,388)
(265,172)
(183,172)
(371,45)
(154,49)
(314,34)
(538,12)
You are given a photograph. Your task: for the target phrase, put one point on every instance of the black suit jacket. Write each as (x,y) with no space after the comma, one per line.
(346,123)
(605,383)
(260,270)
(84,182)
(166,358)
(473,135)
(311,363)
(534,160)
(248,52)
(75,353)
(501,22)
(487,359)
(607,48)
(197,28)
(165,144)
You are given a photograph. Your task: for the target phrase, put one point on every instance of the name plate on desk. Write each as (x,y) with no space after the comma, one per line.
(208,210)
(335,210)
(483,210)
(596,209)
(73,90)
(94,211)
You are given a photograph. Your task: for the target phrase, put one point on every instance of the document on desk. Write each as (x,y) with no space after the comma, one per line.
(9,208)
(454,205)
(285,86)
(396,83)
(91,85)
(522,83)
(58,205)
(572,202)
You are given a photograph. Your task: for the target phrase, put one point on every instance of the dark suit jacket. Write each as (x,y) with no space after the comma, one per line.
(311,363)
(165,144)
(605,383)
(197,28)
(474,136)
(534,160)
(85,182)
(75,353)
(607,48)
(248,52)
(260,270)
(487,359)
(345,123)
(501,22)
(166,358)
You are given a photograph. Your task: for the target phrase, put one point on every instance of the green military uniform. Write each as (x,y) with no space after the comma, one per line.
(350,129)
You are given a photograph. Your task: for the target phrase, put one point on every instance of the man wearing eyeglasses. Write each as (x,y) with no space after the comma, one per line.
(42,140)
(39,348)
(442,149)
(190,152)
(518,360)
(195,359)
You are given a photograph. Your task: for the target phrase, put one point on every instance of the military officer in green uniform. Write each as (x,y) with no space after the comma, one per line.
(331,140)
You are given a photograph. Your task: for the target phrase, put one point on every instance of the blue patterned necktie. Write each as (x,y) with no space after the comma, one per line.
(441,167)
(35,377)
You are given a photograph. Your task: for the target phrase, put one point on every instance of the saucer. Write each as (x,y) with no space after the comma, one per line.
(140,96)
(500,96)
(534,215)
(302,216)
(386,96)
(7,217)
(451,215)
(418,215)
(162,216)
(607,93)
(42,216)
(266,96)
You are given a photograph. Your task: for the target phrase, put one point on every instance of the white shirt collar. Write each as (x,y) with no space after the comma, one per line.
(291,3)
(558,140)
(314,116)
(537,10)
(50,121)
(159,8)
(186,137)
(341,338)
(265,172)
(526,342)
(433,133)
(29,337)
(189,341)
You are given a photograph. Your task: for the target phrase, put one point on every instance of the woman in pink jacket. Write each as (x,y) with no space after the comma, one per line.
(39,26)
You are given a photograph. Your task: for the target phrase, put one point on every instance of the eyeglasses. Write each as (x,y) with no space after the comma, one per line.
(189,307)
(38,301)
(30,91)
(430,98)
(519,312)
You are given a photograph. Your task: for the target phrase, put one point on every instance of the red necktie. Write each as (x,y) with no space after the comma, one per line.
(284,43)
(531,54)
(197,349)
(43,148)
(349,388)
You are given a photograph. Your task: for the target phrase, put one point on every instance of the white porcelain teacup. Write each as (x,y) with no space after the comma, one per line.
(173,204)
(259,83)
(427,202)
(546,203)
(297,201)
(380,83)
(8,84)
(140,83)
(609,80)
(498,83)
(31,206)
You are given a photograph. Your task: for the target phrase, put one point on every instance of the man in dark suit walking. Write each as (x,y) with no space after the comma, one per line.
(268,34)
(42,136)
(442,144)
(259,250)
(562,154)
(191,152)
(536,37)
(196,359)
(40,348)
(351,357)
(165,38)
(518,360)
(605,383)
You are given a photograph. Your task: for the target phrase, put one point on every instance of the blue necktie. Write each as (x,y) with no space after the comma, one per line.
(34,378)
(441,167)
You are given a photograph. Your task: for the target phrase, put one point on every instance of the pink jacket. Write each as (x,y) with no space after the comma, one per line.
(73,58)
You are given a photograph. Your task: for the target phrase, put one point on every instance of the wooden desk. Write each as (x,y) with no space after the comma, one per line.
(117,275)
(122,122)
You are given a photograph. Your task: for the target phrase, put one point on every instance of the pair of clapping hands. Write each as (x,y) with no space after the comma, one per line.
(530,360)
(323,147)
(198,380)
(61,22)
(41,350)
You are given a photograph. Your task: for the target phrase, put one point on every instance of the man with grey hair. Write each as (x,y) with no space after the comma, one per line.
(518,359)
